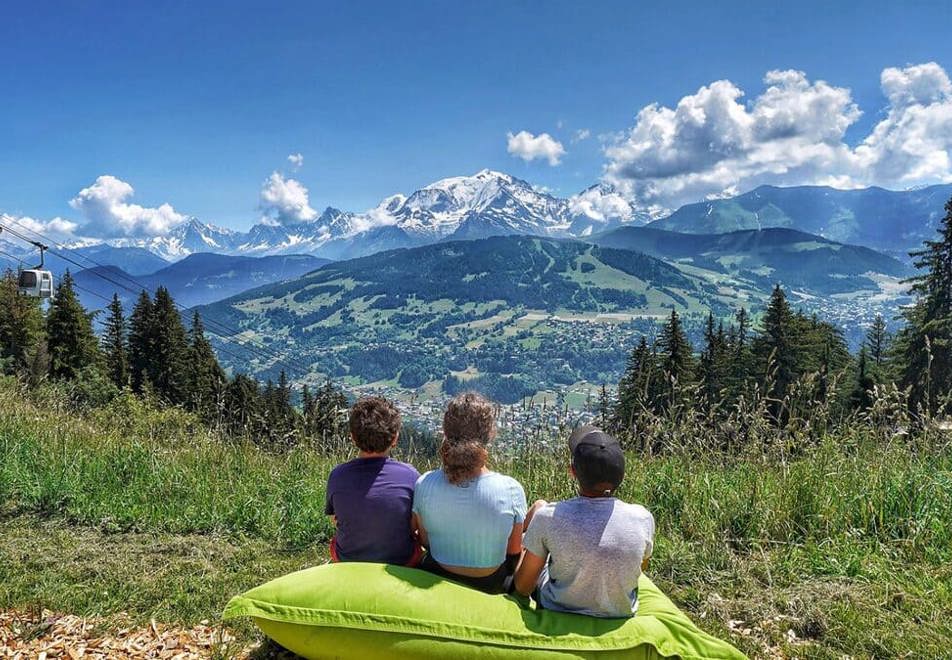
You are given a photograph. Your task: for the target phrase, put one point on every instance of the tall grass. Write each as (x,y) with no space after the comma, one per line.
(865,505)
(132,467)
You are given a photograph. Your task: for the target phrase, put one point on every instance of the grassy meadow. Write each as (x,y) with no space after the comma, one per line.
(840,548)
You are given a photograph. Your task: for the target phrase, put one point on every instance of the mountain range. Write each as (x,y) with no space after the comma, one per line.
(491,203)
(543,310)
(764,257)
(486,204)
(197,279)
(894,222)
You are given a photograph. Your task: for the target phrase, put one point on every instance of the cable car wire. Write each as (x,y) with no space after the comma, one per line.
(261,352)
(15,260)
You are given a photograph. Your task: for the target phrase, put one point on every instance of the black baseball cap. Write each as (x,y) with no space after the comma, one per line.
(597,457)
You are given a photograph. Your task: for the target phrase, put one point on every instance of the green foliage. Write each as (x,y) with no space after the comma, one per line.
(206,378)
(141,342)
(845,542)
(72,344)
(113,342)
(924,345)
(168,364)
(21,325)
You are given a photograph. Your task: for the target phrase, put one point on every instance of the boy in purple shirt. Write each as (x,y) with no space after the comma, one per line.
(370,499)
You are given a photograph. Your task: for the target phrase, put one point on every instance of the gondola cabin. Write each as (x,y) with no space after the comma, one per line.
(36,283)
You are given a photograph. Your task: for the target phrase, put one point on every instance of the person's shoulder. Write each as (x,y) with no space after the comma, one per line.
(340,469)
(637,511)
(430,478)
(406,468)
(505,481)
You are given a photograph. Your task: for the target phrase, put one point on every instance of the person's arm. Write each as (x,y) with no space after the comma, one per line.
(531,513)
(514,549)
(419,531)
(527,575)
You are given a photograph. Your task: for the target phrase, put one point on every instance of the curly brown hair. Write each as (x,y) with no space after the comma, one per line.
(469,424)
(374,422)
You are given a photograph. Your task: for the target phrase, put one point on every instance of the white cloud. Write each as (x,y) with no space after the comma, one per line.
(285,201)
(529,147)
(600,203)
(296,160)
(108,214)
(581,134)
(793,133)
(57,228)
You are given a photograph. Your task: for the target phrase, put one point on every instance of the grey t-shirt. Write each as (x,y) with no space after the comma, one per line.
(595,547)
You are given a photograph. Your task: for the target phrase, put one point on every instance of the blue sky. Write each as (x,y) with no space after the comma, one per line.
(196,104)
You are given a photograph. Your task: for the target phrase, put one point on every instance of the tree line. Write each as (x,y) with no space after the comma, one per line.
(151,354)
(795,362)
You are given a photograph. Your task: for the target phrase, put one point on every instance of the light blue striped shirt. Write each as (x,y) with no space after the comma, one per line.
(469,524)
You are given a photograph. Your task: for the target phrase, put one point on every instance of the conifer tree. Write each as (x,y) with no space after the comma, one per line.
(113,343)
(635,389)
(141,343)
(206,377)
(242,414)
(877,342)
(714,365)
(774,349)
(925,343)
(330,417)
(861,396)
(71,341)
(22,326)
(170,350)
(676,359)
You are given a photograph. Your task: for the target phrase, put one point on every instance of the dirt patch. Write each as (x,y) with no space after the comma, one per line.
(45,635)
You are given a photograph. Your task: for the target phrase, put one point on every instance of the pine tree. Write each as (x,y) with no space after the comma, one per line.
(925,343)
(330,418)
(170,351)
(142,343)
(676,359)
(22,326)
(69,330)
(714,366)
(877,342)
(861,396)
(634,389)
(113,343)
(206,377)
(242,407)
(775,349)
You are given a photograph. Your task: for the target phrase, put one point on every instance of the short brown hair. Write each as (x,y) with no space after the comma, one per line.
(469,424)
(374,422)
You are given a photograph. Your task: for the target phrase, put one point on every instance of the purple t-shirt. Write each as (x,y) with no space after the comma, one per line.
(373,500)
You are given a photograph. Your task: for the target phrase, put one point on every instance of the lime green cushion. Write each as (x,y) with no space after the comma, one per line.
(370,611)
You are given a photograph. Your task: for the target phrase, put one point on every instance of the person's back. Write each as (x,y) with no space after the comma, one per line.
(469,517)
(585,555)
(596,547)
(371,496)
(469,524)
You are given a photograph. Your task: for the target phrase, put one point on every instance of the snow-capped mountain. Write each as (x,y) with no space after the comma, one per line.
(487,203)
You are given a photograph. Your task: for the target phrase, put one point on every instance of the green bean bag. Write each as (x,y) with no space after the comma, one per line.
(377,611)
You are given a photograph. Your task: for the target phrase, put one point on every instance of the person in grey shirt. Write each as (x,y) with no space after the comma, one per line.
(584,555)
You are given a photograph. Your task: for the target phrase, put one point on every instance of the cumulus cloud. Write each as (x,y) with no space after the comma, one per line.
(108,213)
(601,203)
(530,147)
(56,228)
(712,143)
(581,134)
(285,201)
(296,160)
